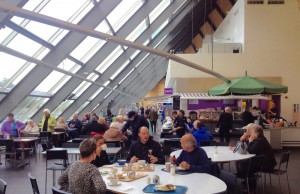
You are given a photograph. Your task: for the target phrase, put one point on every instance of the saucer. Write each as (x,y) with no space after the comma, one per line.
(109,184)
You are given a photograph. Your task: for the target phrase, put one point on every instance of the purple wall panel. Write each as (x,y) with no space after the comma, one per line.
(203,104)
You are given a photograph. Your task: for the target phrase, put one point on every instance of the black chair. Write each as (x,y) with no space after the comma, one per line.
(84,136)
(216,143)
(167,150)
(3,186)
(229,179)
(253,168)
(205,143)
(10,151)
(34,185)
(56,155)
(173,143)
(46,140)
(60,130)
(70,145)
(78,140)
(57,191)
(282,169)
(167,135)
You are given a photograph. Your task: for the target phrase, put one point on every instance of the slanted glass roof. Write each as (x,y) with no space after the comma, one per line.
(101,61)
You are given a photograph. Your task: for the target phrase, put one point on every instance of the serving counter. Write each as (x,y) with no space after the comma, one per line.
(283,136)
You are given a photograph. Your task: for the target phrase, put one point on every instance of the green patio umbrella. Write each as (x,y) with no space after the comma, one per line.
(246,86)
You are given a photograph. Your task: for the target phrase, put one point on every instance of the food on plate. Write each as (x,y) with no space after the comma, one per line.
(167,187)
(120,176)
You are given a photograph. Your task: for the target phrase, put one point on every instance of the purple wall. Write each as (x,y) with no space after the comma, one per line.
(203,104)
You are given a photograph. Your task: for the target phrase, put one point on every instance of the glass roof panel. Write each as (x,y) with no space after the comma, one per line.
(109,59)
(96,94)
(31,5)
(62,9)
(84,85)
(2,96)
(119,70)
(41,30)
(4,32)
(137,31)
(134,54)
(28,107)
(123,12)
(81,107)
(61,108)
(20,43)
(23,72)
(90,45)
(49,81)
(158,10)
(158,30)
(126,75)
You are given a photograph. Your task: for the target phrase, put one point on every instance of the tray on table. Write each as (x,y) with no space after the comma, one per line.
(179,190)
(137,176)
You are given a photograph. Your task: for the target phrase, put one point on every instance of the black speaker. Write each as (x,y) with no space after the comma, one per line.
(176,102)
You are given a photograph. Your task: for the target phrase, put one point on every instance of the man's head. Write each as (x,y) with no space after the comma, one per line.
(228,109)
(46,112)
(10,117)
(144,134)
(174,114)
(188,143)
(196,124)
(75,117)
(131,115)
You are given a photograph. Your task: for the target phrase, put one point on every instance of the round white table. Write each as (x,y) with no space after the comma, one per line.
(219,154)
(208,183)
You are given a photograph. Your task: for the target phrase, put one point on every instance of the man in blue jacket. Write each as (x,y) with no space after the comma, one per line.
(200,133)
(192,158)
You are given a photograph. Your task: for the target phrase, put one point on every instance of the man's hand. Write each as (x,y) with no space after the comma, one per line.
(153,159)
(230,131)
(173,159)
(134,159)
(185,165)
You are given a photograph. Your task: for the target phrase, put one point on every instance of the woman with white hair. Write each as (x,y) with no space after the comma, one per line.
(48,121)
(31,127)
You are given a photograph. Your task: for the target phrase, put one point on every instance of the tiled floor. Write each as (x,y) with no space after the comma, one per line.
(18,182)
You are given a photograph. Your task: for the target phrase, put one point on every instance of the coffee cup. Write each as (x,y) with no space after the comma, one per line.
(121,162)
(113,180)
(141,162)
(104,146)
(168,166)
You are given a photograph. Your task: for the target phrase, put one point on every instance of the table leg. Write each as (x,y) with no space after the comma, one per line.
(22,144)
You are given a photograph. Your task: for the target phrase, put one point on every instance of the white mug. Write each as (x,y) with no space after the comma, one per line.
(103,146)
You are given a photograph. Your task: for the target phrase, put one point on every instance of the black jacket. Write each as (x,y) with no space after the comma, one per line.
(93,126)
(102,160)
(141,151)
(247,118)
(225,121)
(138,122)
(261,146)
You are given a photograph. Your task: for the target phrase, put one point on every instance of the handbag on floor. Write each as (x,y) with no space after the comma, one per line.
(241,147)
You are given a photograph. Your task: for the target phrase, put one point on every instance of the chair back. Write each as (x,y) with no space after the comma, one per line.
(70,145)
(256,164)
(45,137)
(8,143)
(229,179)
(57,154)
(57,191)
(59,129)
(113,144)
(34,184)
(3,185)
(174,144)
(205,143)
(215,143)
(84,136)
(167,135)
(285,157)
(77,140)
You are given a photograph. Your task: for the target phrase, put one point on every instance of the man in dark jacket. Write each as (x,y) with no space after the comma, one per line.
(247,117)
(153,116)
(145,148)
(94,126)
(135,121)
(225,125)
(178,124)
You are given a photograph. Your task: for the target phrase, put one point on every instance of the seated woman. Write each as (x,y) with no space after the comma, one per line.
(31,127)
(200,133)
(114,134)
(258,145)
(61,124)
(102,157)
(82,177)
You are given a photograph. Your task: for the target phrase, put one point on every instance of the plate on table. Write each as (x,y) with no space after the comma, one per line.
(180,168)
(104,170)
(109,184)
(167,187)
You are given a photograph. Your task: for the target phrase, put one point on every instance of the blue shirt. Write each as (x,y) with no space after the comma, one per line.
(14,129)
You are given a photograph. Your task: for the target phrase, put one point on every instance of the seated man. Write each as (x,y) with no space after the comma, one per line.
(145,148)
(192,158)
(201,133)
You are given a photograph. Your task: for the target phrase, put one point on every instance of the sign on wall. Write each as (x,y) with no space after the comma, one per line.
(168,91)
